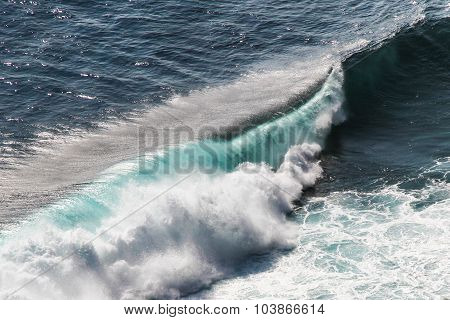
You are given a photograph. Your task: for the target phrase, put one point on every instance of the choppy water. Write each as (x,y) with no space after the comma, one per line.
(355,204)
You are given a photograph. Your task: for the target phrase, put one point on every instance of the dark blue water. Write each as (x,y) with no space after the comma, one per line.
(78,77)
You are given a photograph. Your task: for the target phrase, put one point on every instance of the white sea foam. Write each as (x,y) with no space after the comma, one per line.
(194,234)
(388,244)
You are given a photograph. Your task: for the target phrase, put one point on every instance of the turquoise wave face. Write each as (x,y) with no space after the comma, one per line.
(267,143)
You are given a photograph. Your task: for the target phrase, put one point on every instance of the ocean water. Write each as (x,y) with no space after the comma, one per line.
(315,160)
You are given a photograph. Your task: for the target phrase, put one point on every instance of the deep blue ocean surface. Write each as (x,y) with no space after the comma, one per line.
(330,143)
